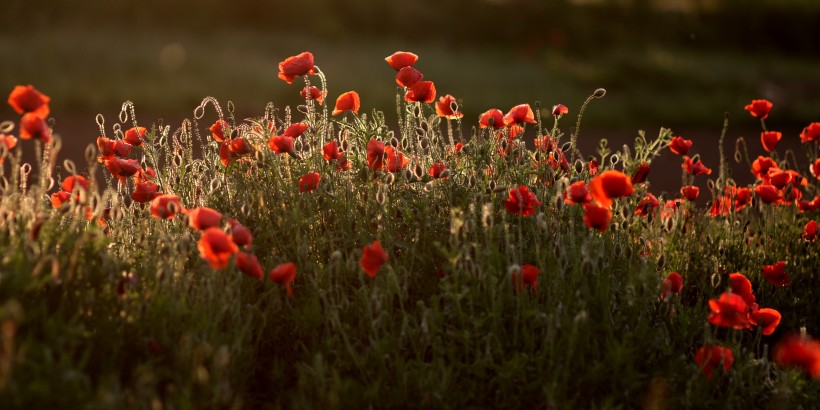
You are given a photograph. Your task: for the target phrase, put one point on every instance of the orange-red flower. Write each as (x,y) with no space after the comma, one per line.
(122,168)
(810,133)
(422,91)
(218,130)
(743,197)
(742,287)
(690,192)
(608,185)
(447,107)
(810,231)
(597,216)
(373,257)
(767,193)
(519,114)
(672,284)
(776,274)
(112,148)
(680,146)
(647,205)
(408,77)
(166,206)
(577,193)
(59,198)
(711,357)
(10,141)
(526,275)
(284,274)
(348,101)
(281,144)
(331,151)
(240,234)
(216,247)
(766,318)
(559,109)
(761,167)
(202,218)
(769,139)
(491,118)
(694,168)
(313,93)
(759,108)
(225,154)
(34,126)
(145,192)
(375,154)
(779,178)
(521,201)
(640,174)
(296,66)
(436,170)
(75,181)
(797,351)
(401,59)
(296,129)
(135,135)
(26,99)
(249,265)
(395,160)
(729,310)
(309,181)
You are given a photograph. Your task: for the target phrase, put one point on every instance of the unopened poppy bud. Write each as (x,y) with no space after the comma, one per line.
(445,174)
(471,181)
(500,188)
(418,171)
(234,133)
(390,178)
(416,111)
(336,256)
(599,93)
(453,106)
(408,175)
(491,185)
(394,142)
(425,143)
(380,197)
(419,132)
(429,186)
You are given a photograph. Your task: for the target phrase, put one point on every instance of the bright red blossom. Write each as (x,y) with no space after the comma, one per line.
(436,170)
(640,174)
(284,275)
(597,216)
(313,93)
(249,265)
(145,192)
(694,168)
(309,181)
(690,192)
(672,284)
(608,185)
(519,114)
(135,135)
(810,231)
(801,352)
(577,193)
(759,108)
(218,130)
(122,168)
(281,144)
(766,318)
(493,114)
(401,59)
(769,139)
(767,193)
(408,77)
(729,310)
(202,218)
(26,99)
(166,206)
(521,201)
(296,66)
(559,109)
(526,275)
(711,357)
(422,91)
(216,247)
(375,154)
(240,234)
(373,257)
(396,161)
(647,205)
(348,101)
(810,133)
(680,146)
(447,107)
(33,126)
(776,274)
(742,287)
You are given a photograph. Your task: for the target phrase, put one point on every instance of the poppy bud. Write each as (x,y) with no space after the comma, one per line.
(599,93)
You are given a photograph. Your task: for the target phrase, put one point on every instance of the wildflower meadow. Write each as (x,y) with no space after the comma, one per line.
(337,254)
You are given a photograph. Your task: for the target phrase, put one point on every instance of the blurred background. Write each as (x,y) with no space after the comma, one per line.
(673,63)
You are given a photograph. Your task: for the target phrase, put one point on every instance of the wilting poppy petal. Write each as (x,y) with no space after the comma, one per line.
(309,181)
(766,318)
(776,274)
(284,274)
(447,107)
(770,139)
(810,133)
(240,234)
(492,118)
(577,193)
(348,101)
(597,216)
(216,247)
(408,77)
(559,109)
(521,201)
(422,91)
(249,265)
(313,93)
(672,284)
(729,310)
(519,114)
(680,146)
(26,99)
(166,206)
(608,185)
(742,287)
(694,168)
(375,154)
(373,257)
(759,108)
(202,218)
(135,135)
(218,130)
(33,126)
(295,66)
(401,59)
(690,192)
(526,275)
(797,351)
(711,357)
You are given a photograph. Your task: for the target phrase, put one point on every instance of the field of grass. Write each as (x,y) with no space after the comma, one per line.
(492,291)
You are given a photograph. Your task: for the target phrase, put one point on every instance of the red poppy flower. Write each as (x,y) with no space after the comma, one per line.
(711,357)
(313,93)
(766,318)
(767,193)
(445,108)
(729,310)
(742,287)
(26,99)
(284,275)
(281,144)
(776,274)
(743,197)
(493,114)
(166,206)
(669,208)
(75,181)
(544,144)
(296,129)
(122,168)
(810,133)
(680,146)
(521,201)
(597,216)
(770,139)
(33,126)
(240,234)
(296,66)
(640,174)
(10,141)
(761,166)
(519,114)
(111,148)
(672,284)
(309,181)
(373,257)
(810,231)
(408,77)
(801,352)
(331,151)
(422,91)
(202,218)
(436,170)
(401,59)
(593,167)
(375,154)
(779,178)
(608,185)
(218,130)
(559,109)
(135,135)
(526,275)
(690,192)
(240,146)
(145,192)
(759,108)
(577,193)
(216,247)
(225,154)
(249,265)
(348,101)
(696,168)
(815,168)
(395,160)
(59,198)
(647,205)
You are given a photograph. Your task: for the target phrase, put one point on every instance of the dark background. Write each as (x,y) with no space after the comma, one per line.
(673,63)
